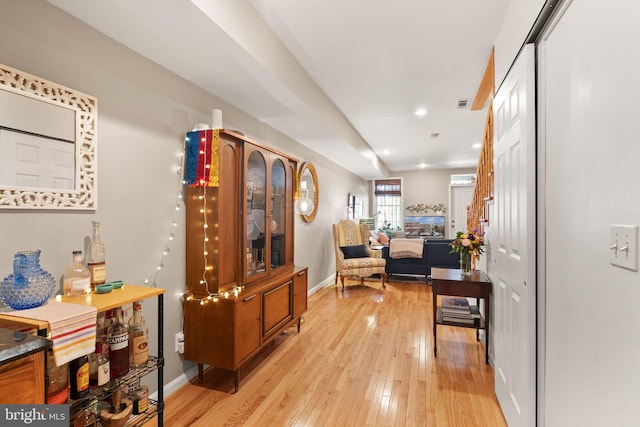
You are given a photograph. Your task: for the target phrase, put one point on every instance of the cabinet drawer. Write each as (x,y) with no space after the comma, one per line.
(299,293)
(247,336)
(277,307)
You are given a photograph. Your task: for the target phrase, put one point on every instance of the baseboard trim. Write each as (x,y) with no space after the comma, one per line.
(326,282)
(177,382)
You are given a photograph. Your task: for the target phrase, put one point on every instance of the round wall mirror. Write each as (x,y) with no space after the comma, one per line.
(308,192)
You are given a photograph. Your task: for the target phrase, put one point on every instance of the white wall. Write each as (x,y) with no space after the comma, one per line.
(520,16)
(143,114)
(429,187)
(590,67)
(314,242)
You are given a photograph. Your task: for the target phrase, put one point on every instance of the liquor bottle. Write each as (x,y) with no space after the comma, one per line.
(99,370)
(79,377)
(58,385)
(108,320)
(96,260)
(103,365)
(140,400)
(77,280)
(93,369)
(101,326)
(118,337)
(139,336)
(86,416)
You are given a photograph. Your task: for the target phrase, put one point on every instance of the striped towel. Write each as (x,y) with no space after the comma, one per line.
(72,328)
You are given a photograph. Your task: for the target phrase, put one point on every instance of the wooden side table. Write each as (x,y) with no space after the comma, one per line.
(445,281)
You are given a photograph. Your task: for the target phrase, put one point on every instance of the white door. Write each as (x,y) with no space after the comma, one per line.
(36,162)
(460,198)
(512,243)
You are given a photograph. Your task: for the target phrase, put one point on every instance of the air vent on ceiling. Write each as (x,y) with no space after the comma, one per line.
(463,104)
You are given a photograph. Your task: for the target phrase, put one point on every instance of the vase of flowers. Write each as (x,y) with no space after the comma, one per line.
(465,263)
(470,246)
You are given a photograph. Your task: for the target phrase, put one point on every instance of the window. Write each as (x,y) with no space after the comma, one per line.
(469,178)
(388,195)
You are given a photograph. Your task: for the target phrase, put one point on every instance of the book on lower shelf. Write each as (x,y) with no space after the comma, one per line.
(466,321)
(455,303)
(472,313)
(458,310)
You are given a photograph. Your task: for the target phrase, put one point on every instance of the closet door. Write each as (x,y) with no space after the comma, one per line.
(513,244)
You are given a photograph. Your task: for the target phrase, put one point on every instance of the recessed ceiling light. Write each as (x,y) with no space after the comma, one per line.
(423,165)
(420,112)
(477,145)
(385,152)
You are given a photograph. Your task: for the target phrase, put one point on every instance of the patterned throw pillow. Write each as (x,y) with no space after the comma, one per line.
(383,238)
(358,251)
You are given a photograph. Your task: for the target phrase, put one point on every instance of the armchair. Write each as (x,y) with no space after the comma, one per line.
(353,255)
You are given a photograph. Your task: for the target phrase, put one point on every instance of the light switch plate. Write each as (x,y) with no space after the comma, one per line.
(621,237)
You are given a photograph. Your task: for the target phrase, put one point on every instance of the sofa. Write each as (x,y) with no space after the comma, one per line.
(439,256)
(435,253)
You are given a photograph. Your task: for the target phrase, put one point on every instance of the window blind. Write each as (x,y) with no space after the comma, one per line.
(388,187)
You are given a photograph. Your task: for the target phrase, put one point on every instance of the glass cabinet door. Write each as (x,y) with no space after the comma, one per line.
(256,209)
(278,218)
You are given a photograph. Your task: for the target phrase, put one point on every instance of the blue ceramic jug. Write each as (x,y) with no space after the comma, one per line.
(29,286)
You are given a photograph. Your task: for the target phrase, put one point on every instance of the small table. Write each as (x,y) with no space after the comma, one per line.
(445,281)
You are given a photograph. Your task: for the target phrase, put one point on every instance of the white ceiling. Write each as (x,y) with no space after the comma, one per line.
(342,77)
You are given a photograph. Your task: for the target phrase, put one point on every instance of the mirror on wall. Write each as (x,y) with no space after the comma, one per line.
(48,143)
(308,192)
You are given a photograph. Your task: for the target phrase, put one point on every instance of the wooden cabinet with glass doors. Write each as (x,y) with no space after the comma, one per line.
(242,293)
(269,207)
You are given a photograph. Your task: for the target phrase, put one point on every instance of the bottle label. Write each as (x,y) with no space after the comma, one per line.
(82,377)
(141,400)
(98,272)
(118,342)
(140,350)
(103,373)
(81,284)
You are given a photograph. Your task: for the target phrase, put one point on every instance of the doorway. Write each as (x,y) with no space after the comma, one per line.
(513,242)
(460,197)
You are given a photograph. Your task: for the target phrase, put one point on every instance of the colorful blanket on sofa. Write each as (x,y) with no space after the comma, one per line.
(405,248)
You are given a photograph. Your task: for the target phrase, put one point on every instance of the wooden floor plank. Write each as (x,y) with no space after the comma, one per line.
(363,358)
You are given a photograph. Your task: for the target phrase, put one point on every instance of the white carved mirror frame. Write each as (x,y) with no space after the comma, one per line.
(84,109)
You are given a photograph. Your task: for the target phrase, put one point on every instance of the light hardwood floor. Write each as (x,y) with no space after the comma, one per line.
(363,358)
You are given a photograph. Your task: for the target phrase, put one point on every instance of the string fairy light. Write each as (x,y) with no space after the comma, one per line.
(203,183)
(153,278)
